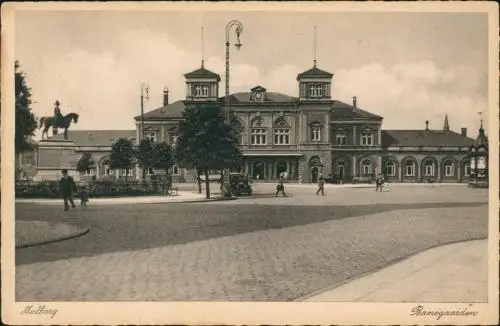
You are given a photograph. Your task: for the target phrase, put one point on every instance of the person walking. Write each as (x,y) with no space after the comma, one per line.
(67,186)
(379,181)
(84,195)
(281,187)
(321,185)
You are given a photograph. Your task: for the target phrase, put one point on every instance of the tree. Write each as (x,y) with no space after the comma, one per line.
(206,142)
(25,120)
(144,155)
(85,163)
(122,155)
(162,158)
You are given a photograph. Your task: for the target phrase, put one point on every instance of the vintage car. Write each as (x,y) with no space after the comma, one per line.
(333,179)
(240,184)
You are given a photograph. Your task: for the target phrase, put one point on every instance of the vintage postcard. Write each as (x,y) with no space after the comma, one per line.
(250,163)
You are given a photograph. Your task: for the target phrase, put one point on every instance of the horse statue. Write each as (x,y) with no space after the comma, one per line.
(63,122)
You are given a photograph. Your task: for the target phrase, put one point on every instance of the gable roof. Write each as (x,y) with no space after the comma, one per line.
(341,110)
(245,97)
(430,138)
(314,72)
(84,138)
(172,110)
(258,88)
(202,73)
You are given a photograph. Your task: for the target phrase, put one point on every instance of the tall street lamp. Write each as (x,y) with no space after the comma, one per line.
(144,96)
(238,27)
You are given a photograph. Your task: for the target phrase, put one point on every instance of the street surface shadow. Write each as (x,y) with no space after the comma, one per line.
(118,228)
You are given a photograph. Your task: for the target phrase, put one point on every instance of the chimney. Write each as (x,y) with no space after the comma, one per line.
(354,103)
(165,96)
(464,132)
(426,124)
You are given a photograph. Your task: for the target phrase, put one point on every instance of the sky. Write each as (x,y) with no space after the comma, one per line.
(405,67)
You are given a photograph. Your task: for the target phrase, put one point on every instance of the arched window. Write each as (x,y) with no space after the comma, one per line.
(390,169)
(467,169)
(281,132)
(315,131)
(410,168)
(429,168)
(449,169)
(152,135)
(366,167)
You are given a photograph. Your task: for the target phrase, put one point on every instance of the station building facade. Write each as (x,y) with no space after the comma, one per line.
(311,134)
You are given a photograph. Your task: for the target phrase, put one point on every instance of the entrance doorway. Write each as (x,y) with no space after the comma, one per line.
(281,167)
(258,171)
(314,174)
(341,170)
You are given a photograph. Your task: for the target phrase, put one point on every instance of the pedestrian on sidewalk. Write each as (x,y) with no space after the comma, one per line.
(321,185)
(379,181)
(84,195)
(281,187)
(67,186)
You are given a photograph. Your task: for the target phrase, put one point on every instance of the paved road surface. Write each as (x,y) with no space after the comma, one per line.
(242,250)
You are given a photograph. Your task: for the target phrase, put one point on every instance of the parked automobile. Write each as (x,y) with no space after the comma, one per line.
(240,184)
(333,179)
(370,178)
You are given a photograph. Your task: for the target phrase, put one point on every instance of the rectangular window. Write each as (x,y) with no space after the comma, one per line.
(316,90)
(341,138)
(366,138)
(429,170)
(173,140)
(175,170)
(390,170)
(410,170)
(449,171)
(281,136)
(259,136)
(467,170)
(316,133)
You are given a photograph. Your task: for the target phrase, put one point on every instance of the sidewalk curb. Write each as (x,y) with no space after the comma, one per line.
(73,235)
(357,277)
(200,200)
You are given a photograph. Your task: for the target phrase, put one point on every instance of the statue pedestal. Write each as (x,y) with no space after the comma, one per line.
(55,155)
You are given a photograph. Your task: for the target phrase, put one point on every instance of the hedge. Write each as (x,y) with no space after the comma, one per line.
(114,188)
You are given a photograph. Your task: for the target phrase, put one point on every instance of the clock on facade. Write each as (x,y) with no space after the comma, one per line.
(258,96)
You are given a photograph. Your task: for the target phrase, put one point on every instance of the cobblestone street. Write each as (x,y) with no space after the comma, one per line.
(260,248)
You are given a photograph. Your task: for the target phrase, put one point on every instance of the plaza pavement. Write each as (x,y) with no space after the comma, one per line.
(450,273)
(259,248)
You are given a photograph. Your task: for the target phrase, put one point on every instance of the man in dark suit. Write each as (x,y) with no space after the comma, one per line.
(67,186)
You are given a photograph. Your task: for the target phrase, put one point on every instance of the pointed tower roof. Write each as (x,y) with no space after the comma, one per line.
(314,72)
(446,126)
(481,139)
(202,73)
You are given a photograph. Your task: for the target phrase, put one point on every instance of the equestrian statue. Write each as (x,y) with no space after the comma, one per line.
(57,121)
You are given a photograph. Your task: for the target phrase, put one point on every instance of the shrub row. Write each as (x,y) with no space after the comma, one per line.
(50,189)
